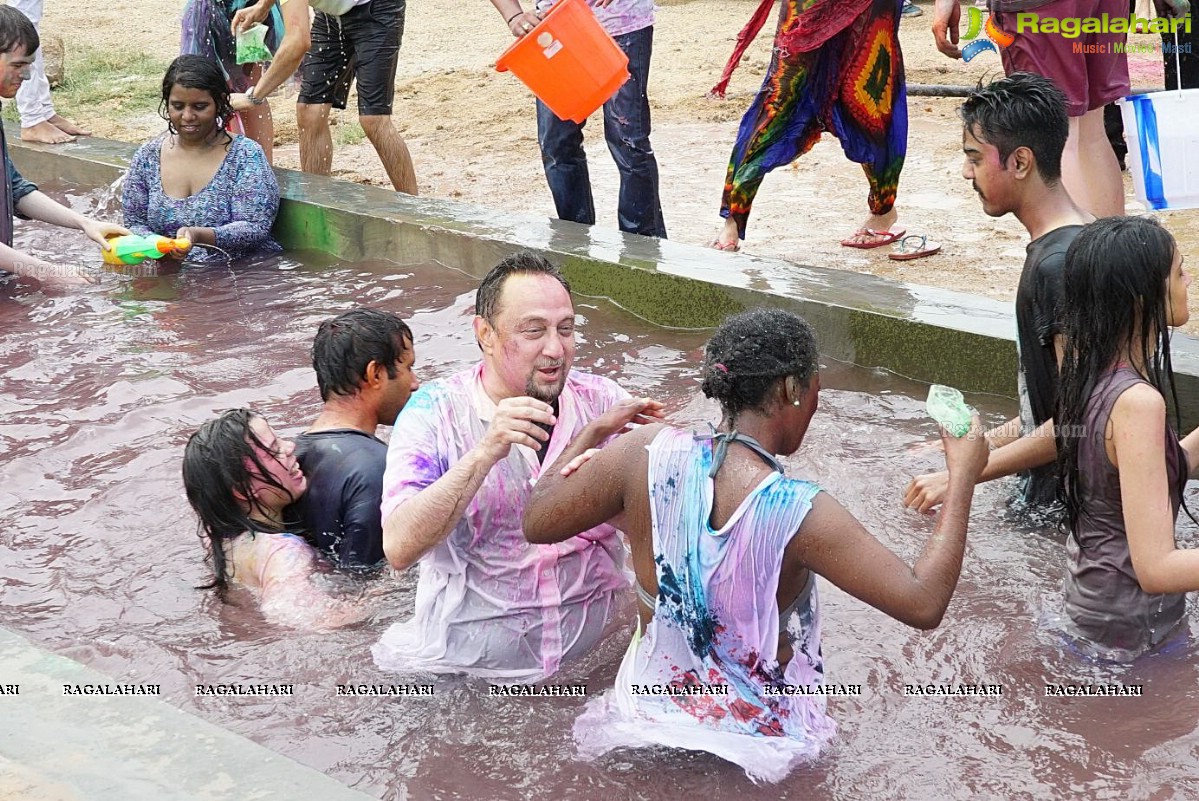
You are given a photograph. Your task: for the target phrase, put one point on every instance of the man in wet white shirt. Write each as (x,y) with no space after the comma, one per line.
(488,603)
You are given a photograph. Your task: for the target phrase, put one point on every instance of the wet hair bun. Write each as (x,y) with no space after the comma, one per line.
(717,380)
(753,350)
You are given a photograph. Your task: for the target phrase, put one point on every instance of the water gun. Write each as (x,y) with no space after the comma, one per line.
(134,249)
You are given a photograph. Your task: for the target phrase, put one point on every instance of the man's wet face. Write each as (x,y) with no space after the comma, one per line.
(535,336)
(987,174)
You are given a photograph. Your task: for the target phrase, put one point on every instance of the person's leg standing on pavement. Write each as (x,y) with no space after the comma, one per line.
(565,163)
(39,121)
(626,129)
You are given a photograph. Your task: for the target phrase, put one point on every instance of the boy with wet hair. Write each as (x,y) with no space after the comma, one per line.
(1013,133)
(1090,78)
(363,361)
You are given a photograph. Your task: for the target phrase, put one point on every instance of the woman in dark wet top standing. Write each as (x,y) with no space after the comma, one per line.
(1123,468)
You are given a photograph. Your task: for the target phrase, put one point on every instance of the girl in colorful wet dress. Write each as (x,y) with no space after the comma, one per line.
(1122,466)
(727,657)
(239,478)
(836,67)
(197,181)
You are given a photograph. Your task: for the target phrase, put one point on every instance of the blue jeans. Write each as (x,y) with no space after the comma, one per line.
(626,129)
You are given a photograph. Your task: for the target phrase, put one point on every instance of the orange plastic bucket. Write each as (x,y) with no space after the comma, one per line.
(569,61)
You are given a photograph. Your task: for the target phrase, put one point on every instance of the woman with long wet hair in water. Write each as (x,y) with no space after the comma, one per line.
(1122,466)
(726,548)
(239,478)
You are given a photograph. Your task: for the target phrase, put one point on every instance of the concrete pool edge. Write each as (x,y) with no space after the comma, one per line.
(128,748)
(924,333)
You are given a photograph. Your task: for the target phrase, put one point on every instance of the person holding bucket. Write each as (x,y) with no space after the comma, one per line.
(626,123)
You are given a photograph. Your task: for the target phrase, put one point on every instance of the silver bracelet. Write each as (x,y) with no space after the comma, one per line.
(257,101)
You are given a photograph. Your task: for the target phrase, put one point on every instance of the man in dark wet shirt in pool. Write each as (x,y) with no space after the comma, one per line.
(1013,136)
(363,361)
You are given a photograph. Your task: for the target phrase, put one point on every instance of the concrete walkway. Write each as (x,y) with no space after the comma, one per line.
(59,747)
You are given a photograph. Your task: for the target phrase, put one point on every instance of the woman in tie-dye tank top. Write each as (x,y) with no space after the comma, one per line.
(727,656)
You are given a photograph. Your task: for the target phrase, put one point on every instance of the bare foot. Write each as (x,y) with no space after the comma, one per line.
(881,222)
(728,238)
(47,133)
(66,126)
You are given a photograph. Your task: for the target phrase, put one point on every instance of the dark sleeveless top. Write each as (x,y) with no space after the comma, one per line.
(1103,598)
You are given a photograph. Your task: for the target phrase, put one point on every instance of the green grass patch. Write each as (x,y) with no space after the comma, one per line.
(348,133)
(109,82)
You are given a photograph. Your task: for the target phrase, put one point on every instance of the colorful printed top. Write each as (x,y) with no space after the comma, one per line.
(706,676)
(488,602)
(240,202)
(619,18)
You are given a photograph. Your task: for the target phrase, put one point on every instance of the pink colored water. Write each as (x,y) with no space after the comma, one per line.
(99,389)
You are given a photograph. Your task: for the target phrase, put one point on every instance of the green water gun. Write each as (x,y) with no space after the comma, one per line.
(134,249)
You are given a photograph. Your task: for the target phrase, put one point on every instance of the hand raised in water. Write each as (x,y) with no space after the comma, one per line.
(98,231)
(966,456)
(181,253)
(925,493)
(630,411)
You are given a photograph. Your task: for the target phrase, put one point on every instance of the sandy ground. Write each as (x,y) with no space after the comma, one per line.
(472,131)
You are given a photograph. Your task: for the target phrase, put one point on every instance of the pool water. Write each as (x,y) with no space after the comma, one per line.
(99,558)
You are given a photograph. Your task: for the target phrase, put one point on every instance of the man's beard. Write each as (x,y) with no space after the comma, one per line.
(542,392)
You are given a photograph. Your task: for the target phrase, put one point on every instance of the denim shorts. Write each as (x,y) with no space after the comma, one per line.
(363,43)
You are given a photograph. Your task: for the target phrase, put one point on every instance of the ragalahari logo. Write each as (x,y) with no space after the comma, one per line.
(975,25)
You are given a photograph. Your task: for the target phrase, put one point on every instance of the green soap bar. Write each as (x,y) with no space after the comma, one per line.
(947,406)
